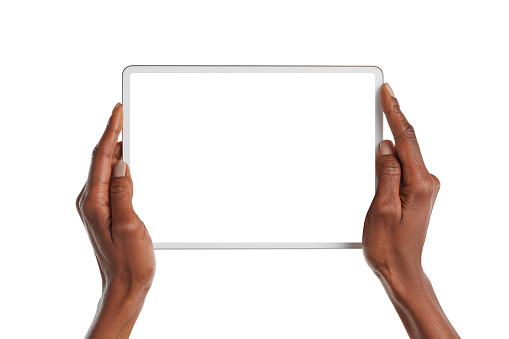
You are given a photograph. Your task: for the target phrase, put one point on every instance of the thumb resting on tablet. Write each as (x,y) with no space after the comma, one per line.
(120,240)
(396,224)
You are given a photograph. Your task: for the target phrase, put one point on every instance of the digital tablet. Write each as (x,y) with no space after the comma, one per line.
(247,157)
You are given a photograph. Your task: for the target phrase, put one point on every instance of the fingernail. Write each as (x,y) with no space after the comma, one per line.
(115,108)
(386,147)
(119,169)
(389,89)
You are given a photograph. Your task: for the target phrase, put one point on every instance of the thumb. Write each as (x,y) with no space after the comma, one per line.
(388,172)
(121,193)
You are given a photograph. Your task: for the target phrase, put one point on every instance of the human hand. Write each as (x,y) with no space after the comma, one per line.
(397,220)
(120,240)
(396,225)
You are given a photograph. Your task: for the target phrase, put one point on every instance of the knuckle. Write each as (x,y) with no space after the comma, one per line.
(425,187)
(87,206)
(120,186)
(384,211)
(436,181)
(99,152)
(127,228)
(390,166)
(388,210)
(395,106)
(408,131)
(78,201)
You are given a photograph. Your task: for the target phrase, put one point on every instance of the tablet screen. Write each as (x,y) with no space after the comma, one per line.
(252,157)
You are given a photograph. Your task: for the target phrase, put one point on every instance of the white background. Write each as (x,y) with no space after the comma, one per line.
(253,157)
(61,76)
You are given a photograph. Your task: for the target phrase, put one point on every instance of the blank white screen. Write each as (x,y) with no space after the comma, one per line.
(265,157)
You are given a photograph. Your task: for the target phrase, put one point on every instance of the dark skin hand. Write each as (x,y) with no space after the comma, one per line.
(396,225)
(120,240)
(394,232)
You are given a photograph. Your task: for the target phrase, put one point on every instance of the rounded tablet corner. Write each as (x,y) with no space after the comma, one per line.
(378,73)
(127,71)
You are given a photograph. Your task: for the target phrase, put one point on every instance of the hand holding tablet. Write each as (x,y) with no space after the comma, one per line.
(393,233)
(121,243)
(396,225)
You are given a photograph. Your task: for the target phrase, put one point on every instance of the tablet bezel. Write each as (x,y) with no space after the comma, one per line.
(376,71)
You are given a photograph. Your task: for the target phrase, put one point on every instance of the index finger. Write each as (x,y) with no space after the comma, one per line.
(100,167)
(407,147)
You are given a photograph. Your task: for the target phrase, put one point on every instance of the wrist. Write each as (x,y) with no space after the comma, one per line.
(118,309)
(124,299)
(413,297)
(123,290)
(410,292)
(403,282)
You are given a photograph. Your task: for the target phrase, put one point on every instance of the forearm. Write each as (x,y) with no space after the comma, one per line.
(415,301)
(117,312)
